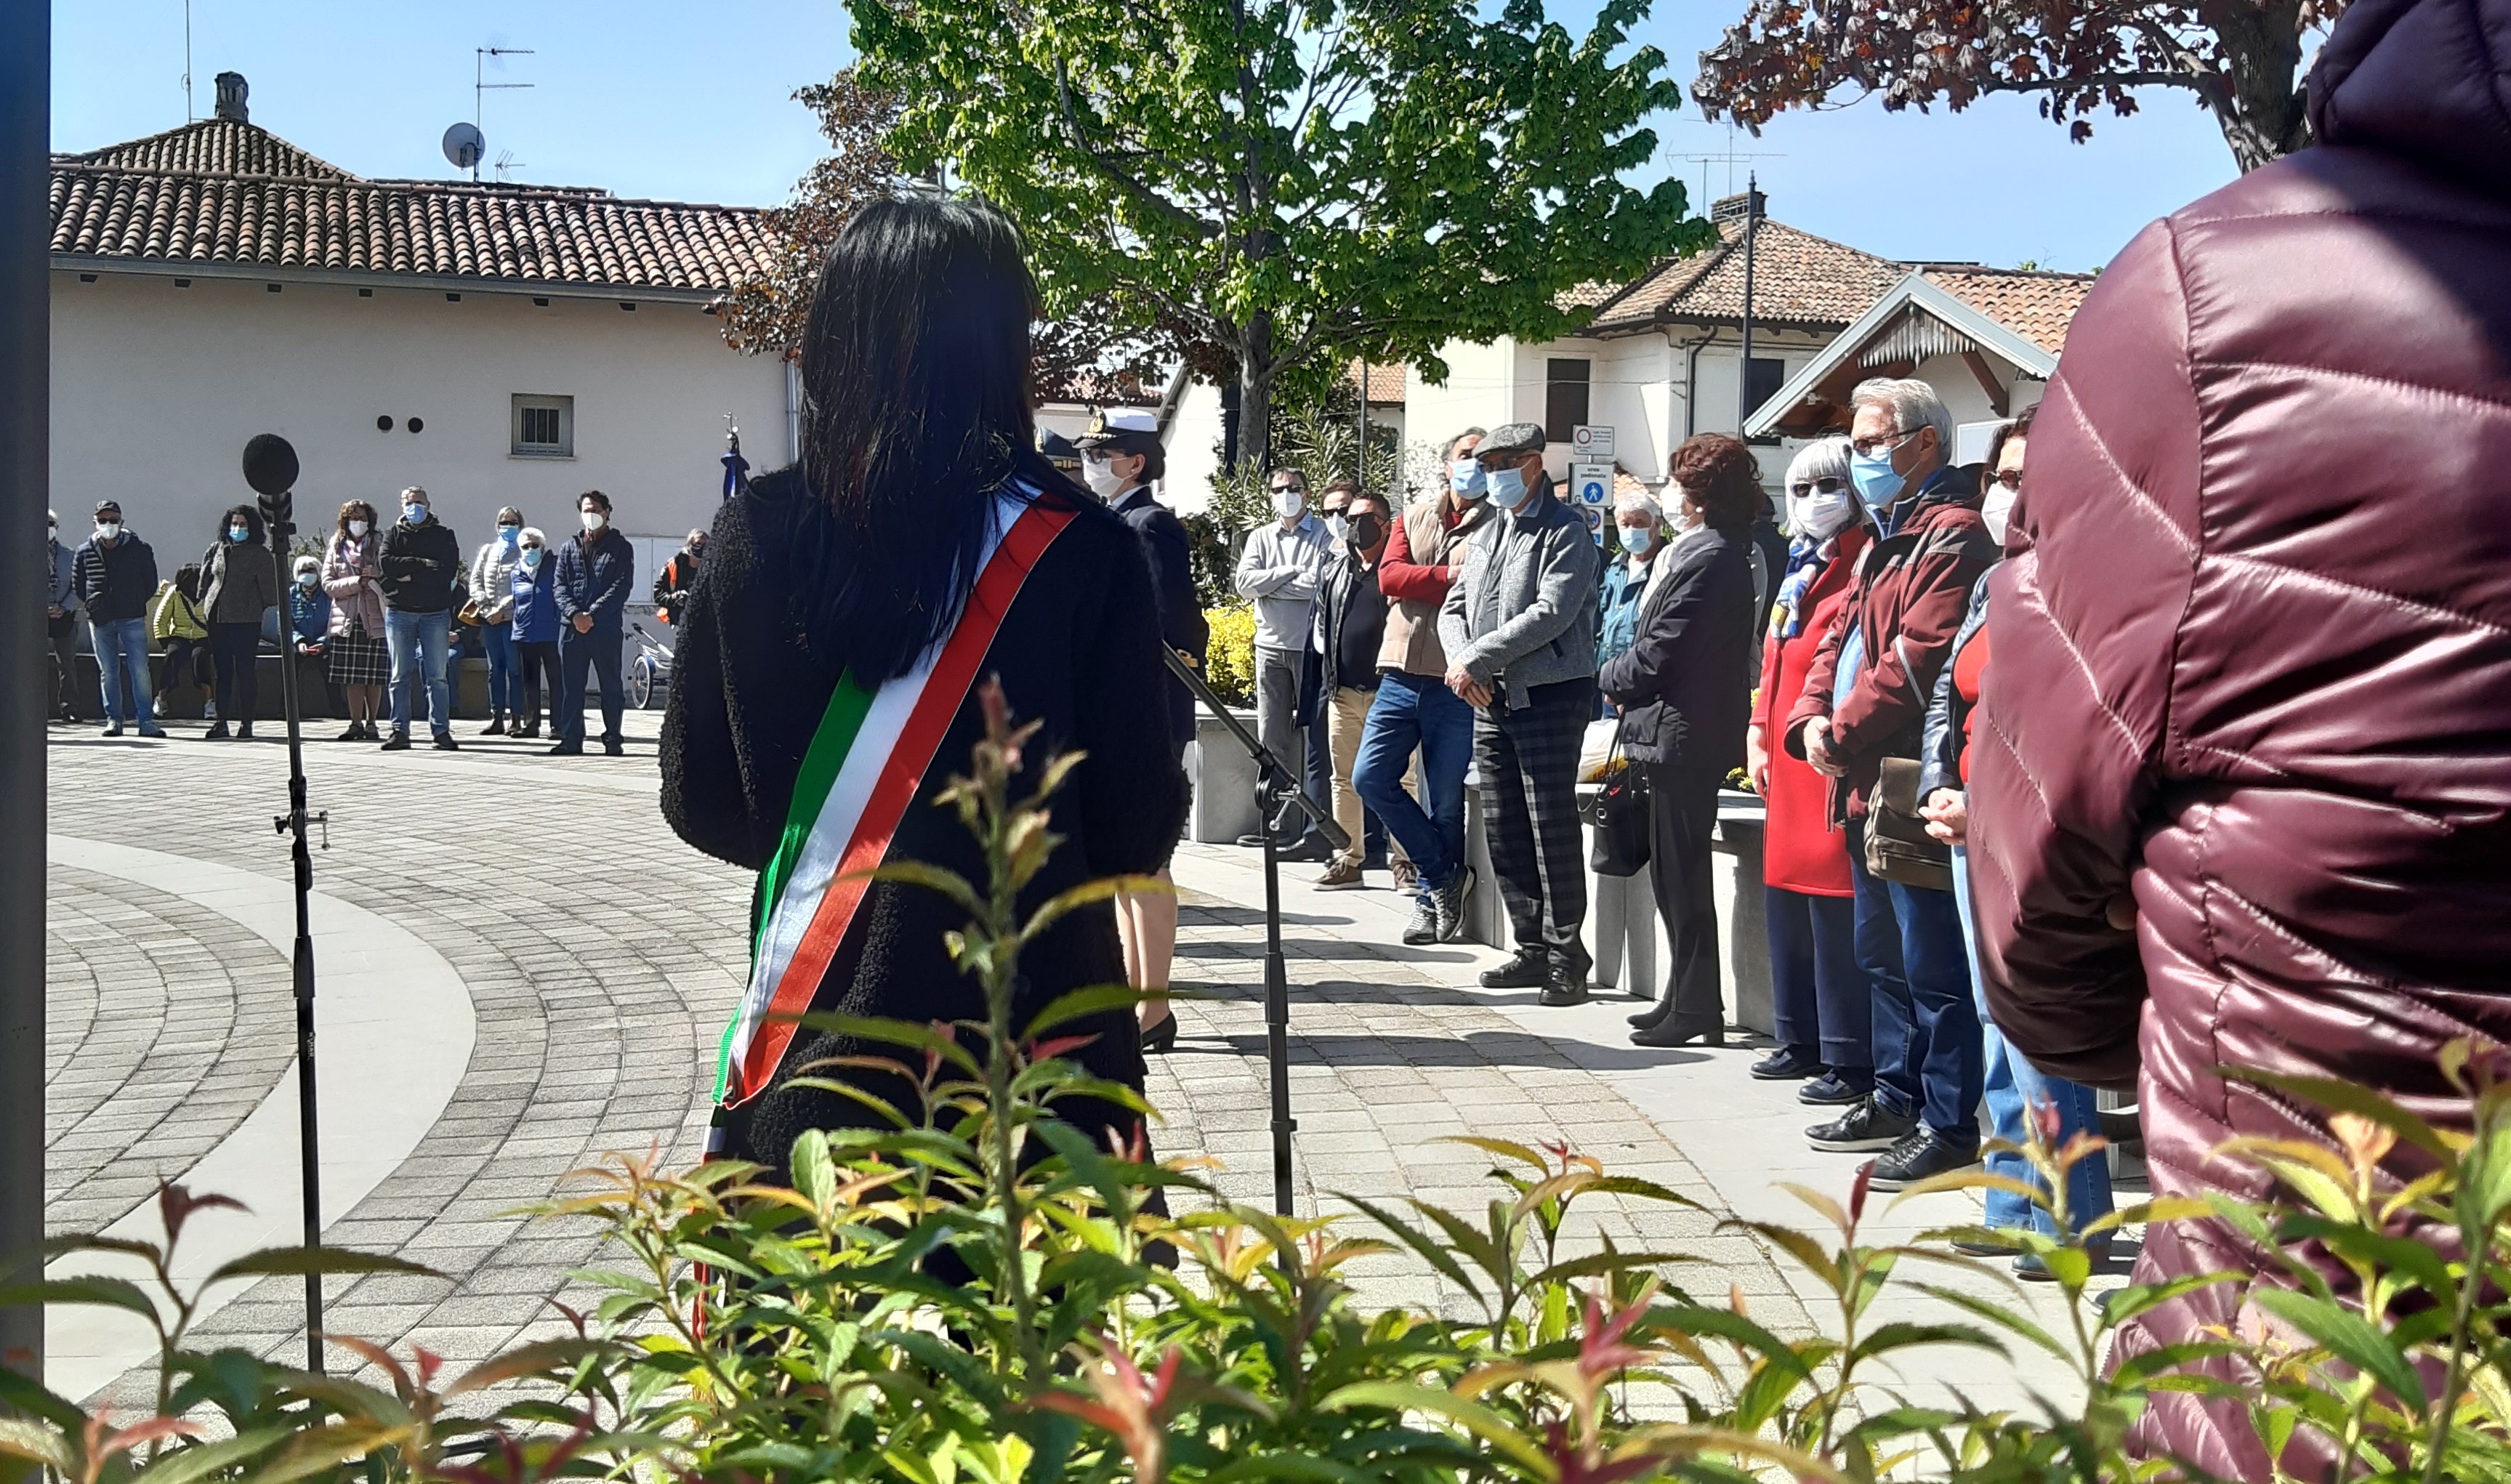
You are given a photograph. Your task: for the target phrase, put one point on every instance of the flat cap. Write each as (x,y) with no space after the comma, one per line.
(1511,437)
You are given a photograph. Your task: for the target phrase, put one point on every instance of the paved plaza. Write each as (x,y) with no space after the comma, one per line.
(523,970)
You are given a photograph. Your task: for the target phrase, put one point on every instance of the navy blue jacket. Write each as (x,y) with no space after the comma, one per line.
(1181,621)
(593,577)
(115,584)
(535,602)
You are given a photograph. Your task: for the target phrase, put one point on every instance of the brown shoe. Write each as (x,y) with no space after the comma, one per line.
(1408,876)
(1341,876)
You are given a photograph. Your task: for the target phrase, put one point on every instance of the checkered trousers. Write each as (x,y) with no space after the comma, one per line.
(1528,762)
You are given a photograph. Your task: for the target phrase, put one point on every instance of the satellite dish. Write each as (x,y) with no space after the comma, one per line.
(465,146)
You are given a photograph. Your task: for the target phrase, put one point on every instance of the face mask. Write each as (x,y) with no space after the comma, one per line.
(238,532)
(531,557)
(416,514)
(510,534)
(1994,509)
(1639,541)
(1366,532)
(305,580)
(1818,516)
(1099,474)
(1508,487)
(1289,503)
(357,527)
(108,529)
(1465,477)
(595,519)
(1337,525)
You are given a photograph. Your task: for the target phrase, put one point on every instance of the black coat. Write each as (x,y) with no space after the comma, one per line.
(1685,685)
(1078,652)
(116,584)
(420,565)
(1181,621)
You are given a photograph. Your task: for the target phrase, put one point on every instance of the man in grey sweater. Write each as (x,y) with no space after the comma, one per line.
(1520,630)
(1280,569)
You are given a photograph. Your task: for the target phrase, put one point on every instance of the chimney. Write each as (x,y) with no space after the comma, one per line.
(231,95)
(1726,209)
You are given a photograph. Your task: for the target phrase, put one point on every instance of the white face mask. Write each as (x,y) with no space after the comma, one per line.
(1099,474)
(108,529)
(1290,504)
(1337,525)
(595,519)
(357,527)
(1819,516)
(1998,504)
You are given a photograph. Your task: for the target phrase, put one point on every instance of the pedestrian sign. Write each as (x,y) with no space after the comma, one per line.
(1592,443)
(1591,483)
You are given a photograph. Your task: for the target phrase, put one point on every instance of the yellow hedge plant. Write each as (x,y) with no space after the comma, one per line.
(1229,658)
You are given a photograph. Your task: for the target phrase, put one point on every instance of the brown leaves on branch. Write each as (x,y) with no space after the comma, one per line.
(2240,59)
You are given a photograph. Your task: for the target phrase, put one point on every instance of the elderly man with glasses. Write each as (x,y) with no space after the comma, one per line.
(1280,570)
(1864,700)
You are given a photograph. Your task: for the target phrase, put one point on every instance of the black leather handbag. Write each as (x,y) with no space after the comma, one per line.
(1620,815)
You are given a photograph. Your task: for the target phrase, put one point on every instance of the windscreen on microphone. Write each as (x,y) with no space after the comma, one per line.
(269,465)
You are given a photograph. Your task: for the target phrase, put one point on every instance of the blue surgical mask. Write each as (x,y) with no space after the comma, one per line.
(305,580)
(1507,486)
(1639,542)
(414,514)
(510,534)
(1465,477)
(1878,483)
(531,557)
(238,532)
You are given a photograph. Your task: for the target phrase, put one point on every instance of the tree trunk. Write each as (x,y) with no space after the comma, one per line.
(2262,66)
(1255,391)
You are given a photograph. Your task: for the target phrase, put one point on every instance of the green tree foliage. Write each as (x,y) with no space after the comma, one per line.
(1290,182)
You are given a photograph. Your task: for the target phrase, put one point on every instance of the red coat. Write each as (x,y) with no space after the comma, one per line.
(1800,851)
(2255,670)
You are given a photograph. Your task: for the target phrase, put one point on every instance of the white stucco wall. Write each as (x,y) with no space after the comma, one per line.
(155,390)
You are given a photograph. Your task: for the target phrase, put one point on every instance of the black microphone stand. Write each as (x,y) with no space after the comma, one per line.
(278,510)
(1284,799)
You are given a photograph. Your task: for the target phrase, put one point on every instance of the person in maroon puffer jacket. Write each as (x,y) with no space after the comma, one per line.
(2253,681)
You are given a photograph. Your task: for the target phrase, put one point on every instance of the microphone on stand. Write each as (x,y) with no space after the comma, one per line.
(270,468)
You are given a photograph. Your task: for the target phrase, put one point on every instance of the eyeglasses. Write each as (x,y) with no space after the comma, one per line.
(1828,484)
(1867,447)
(1290,489)
(2010,479)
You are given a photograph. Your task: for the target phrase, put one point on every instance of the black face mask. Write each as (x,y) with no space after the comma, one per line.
(1366,532)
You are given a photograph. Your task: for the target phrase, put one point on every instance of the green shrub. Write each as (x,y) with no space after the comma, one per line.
(1229,657)
(968,1290)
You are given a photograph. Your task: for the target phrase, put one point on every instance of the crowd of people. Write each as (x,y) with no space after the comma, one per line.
(1491,629)
(377,617)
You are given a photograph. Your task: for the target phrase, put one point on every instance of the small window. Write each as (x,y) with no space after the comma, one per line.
(1564,397)
(544,427)
(1763,380)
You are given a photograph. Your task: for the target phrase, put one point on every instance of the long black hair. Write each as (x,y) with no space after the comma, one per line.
(915,409)
(251,522)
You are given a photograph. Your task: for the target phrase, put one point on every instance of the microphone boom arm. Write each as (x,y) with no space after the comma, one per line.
(1280,784)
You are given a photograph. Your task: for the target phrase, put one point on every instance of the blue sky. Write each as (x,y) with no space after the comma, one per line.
(689,103)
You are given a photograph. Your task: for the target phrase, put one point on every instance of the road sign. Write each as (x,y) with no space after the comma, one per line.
(1591,483)
(1592,443)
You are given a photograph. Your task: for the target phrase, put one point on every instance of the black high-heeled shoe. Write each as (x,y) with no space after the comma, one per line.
(1651,1015)
(1669,1031)
(1160,1039)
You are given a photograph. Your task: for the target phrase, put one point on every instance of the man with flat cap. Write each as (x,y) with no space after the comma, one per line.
(1519,627)
(1120,455)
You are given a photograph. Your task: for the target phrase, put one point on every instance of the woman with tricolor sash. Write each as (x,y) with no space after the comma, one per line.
(824,684)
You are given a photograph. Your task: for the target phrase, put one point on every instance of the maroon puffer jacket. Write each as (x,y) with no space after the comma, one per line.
(2256,668)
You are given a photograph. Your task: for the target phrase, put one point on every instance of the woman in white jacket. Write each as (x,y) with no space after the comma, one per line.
(492,599)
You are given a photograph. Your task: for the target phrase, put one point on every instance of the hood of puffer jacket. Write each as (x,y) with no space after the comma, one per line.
(2426,80)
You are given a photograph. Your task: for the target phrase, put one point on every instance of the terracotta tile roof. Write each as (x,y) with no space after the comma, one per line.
(212,193)
(2036,305)
(1385,382)
(1798,279)
(214,148)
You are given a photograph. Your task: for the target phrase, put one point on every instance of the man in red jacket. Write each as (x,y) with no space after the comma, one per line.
(2249,798)
(1864,700)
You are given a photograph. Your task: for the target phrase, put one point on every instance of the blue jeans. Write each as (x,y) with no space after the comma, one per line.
(1927,1050)
(121,664)
(1820,1000)
(1417,711)
(505,678)
(2014,1086)
(418,643)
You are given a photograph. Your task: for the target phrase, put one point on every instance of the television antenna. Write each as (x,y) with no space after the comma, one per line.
(1730,157)
(187,63)
(480,87)
(507,164)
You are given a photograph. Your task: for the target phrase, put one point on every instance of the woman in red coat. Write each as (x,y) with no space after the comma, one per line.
(2253,680)
(1821,1005)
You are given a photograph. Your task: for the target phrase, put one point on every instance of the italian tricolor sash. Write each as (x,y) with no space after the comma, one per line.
(862,770)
